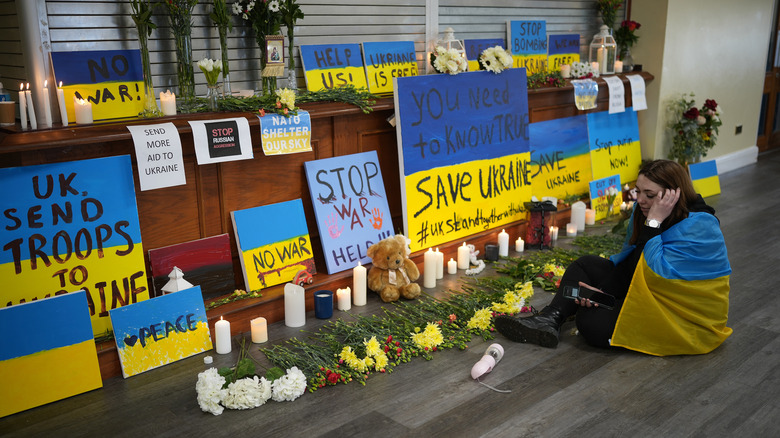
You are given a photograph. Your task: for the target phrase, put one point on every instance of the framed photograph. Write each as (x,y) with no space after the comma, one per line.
(274,50)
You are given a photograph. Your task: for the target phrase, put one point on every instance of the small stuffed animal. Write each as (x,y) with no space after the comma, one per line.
(393,274)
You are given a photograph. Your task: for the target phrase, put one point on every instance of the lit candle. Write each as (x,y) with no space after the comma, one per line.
(623,206)
(46,105)
(571,229)
(554,233)
(359,285)
(439,264)
(344,298)
(429,269)
(594,66)
(168,103)
(222,336)
(566,71)
(83,110)
(294,305)
(519,245)
(618,66)
(259,330)
(30,108)
(503,244)
(578,215)
(452,266)
(63,108)
(590,216)
(23,106)
(463,256)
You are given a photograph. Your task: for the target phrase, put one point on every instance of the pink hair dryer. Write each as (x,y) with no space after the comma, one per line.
(492,356)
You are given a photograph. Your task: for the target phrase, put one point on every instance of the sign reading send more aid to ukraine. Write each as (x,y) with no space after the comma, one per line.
(387,60)
(463,152)
(327,66)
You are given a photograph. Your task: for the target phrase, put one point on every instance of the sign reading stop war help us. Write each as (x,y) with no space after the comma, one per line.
(159,156)
(463,151)
(217,141)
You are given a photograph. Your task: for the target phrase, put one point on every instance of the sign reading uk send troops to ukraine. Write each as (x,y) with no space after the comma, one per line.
(463,152)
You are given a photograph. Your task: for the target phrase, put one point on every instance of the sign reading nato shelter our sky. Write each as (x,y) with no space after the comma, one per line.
(463,151)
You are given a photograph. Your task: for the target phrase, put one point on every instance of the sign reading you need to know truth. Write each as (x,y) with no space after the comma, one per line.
(463,151)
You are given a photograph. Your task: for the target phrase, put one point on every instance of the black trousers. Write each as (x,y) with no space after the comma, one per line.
(595,324)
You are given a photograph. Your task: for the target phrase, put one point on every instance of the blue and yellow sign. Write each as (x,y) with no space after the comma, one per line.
(705,178)
(387,60)
(528,43)
(560,157)
(614,145)
(286,135)
(562,49)
(328,66)
(599,195)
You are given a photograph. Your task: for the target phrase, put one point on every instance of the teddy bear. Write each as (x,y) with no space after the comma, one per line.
(393,274)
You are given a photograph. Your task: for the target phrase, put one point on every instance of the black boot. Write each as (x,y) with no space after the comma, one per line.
(542,329)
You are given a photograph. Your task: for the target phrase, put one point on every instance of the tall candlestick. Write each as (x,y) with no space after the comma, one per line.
(294,305)
(259,330)
(463,256)
(519,245)
(63,108)
(429,269)
(359,285)
(23,106)
(344,298)
(503,244)
(439,264)
(30,108)
(222,336)
(46,105)
(83,110)
(452,266)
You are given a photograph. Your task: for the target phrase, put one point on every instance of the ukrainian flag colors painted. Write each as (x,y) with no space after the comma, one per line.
(328,66)
(705,178)
(47,352)
(528,43)
(562,49)
(560,157)
(286,135)
(387,60)
(160,331)
(600,200)
(614,144)
(72,226)
(474,49)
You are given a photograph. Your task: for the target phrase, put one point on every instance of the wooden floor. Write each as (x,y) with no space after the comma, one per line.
(573,390)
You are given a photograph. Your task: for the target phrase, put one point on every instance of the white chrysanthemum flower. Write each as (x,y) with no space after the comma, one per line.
(273,6)
(290,386)
(210,392)
(250,6)
(247,393)
(237,10)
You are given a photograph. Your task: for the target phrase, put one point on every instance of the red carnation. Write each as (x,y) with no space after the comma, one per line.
(711,104)
(692,114)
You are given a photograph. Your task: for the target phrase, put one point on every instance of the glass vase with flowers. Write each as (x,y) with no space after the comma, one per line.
(142,17)
(694,130)
(180,18)
(221,17)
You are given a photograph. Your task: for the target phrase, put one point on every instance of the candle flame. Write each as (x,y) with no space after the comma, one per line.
(45,83)
(60,84)
(28,85)
(220,318)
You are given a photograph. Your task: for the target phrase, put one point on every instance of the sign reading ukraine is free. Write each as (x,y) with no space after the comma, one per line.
(328,66)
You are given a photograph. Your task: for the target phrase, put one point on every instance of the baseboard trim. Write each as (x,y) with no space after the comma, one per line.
(735,160)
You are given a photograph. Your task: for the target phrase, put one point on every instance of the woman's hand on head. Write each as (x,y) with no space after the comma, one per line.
(663,204)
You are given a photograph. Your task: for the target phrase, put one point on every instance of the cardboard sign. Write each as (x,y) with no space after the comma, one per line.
(217,141)
(560,157)
(351,207)
(327,66)
(614,145)
(112,80)
(159,156)
(705,178)
(528,44)
(286,135)
(474,48)
(47,352)
(598,196)
(72,226)
(274,244)
(160,331)
(463,152)
(387,60)
(562,49)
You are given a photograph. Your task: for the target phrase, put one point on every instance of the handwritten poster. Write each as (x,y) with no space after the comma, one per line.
(328,66)
(285,135)
(160,331)
(47,352)
(614,145)
(560,157)
(474,49)
(112,80)
(72,226)
(617,94)
(638,98)
(528,44)
(218,141)
(387,60)
(562,49)
(599,200)
(705,179)
(463,152)
(273,242)
(351,207)
(158,154)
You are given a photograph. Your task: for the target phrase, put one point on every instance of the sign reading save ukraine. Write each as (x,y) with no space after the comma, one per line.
(328,66)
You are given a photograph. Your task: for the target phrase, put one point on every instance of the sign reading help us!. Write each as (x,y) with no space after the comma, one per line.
(327,66)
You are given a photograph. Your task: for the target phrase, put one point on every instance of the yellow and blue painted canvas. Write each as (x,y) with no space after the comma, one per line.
(47,352)
(560,157)
(387,60)
(614,145)
(474,49)
(562,49)
(159,331)
(527,41)
(705,178)
(328,66)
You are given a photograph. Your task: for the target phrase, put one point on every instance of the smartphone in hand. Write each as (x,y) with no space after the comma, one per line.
(604,300)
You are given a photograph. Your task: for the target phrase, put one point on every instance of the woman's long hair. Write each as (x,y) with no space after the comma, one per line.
(669,175)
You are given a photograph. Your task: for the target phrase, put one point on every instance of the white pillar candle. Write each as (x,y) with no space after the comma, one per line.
(359,285)
(519,245)
(83,111)
(168,103)
(46,105)
(30,108)
(259,330)
(63,108)
(439,264)
(429,269)
(222,336)
(571,229)
(23,106)
(463,256)
(618,66)
(566,71)
(595,67)
(294,305)
(503,244)
(452,266)
(578,215)
(590,216)
(554,233)
(344,298)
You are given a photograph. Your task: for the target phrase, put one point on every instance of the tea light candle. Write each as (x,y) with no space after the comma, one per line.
(259,330)
(439,264)
(503,244)
(463,256)
(83,111)
(566,71)
(344,298)
(618,66)
(452,266)
(46,105)
(571,229)
(222,336)
(429,269)
(590,216)
(168,103)
(595,67)
(23,106)
(359,285)
(294,305)
(519,245)
(30,108)
(61,102)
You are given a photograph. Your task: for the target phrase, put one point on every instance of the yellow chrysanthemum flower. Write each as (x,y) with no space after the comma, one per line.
(372,346)
(381,361)
(480,320)
(430,337)
(286,97)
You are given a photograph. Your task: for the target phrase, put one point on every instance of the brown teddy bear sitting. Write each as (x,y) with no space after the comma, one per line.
(392,274)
